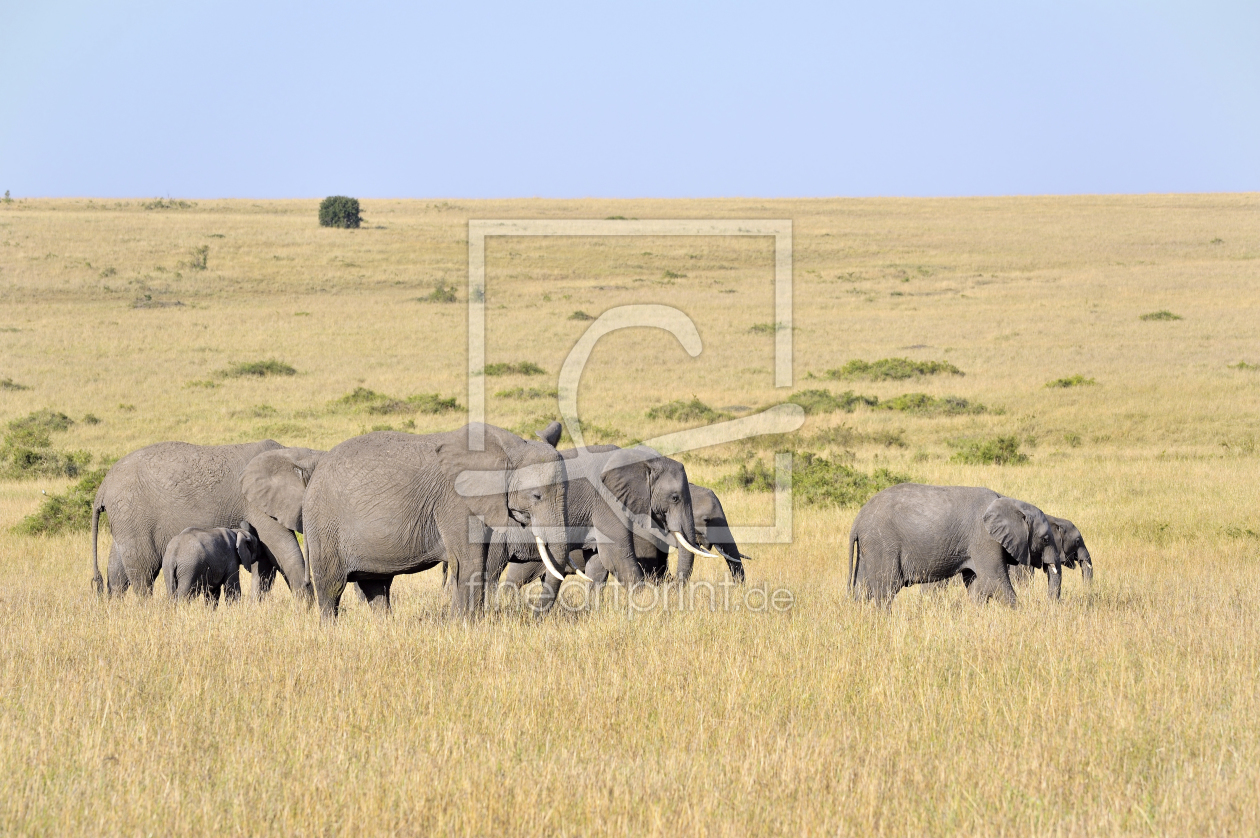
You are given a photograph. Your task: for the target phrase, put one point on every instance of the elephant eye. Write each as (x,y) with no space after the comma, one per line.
(536,495)
(675,498)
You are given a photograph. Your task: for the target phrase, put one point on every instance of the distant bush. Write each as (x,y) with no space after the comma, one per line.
(10,384)
(1071,381)
(824,401)
(817,480)
(91,419)
(260,369)
(681,410)
(523,368)
(581,315)
(66,512)
(200,255)
(159,204)
(27,450)
(892,369)
(441,293)
(998,451)
(524,394)
(1162,314)
(380,404)
(932,406)
(339,211)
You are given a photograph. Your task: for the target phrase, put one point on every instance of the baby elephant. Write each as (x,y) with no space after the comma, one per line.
(912,534)
(205,561)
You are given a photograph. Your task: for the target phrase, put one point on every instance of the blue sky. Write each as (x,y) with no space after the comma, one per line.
(301,99)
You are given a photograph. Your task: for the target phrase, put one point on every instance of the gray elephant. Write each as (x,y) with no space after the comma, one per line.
(713,530)
(625,508)
(1071,543)
(388,503)
(913,534)
(208,561)
(154,493)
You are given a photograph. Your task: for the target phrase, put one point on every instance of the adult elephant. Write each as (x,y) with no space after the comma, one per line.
(388,503)
(153,494)
(713,531)
(625,508)
(911,534)
(1071,543)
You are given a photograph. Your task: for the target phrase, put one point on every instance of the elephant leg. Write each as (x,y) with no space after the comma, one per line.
(469,594)
(213,593)
(143,567)
(548,595)
(877,574)
(991,582)
(376,593)
(264,576)
(117,573)
(655,566)
(232,587)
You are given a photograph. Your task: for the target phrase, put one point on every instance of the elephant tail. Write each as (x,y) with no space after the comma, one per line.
(97,581)
(854,550)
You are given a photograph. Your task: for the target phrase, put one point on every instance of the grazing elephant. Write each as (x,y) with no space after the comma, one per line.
(624,506)
(912,534)
(208,561)
(713,531)
(387,503)
(154,493)
(1071,543)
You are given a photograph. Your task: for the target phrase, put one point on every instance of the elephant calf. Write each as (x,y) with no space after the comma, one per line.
(207,561)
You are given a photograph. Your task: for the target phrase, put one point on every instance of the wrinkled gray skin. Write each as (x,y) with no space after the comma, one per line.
(653,488)
(388,503)
(208,562)
(913,534)
(1072,544)
(153,494)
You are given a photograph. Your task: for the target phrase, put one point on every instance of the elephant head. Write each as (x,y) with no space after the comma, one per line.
(274,483)
(1024,532)
(513,485)
(653,486)
(1072,544)
(713,531)
(248,547)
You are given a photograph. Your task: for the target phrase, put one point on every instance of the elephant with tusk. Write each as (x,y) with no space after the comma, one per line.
(1072,544)
(627,506)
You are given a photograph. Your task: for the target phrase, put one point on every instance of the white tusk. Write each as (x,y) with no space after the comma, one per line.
(1052,569)
(546,557)
(582,575)
(695,550)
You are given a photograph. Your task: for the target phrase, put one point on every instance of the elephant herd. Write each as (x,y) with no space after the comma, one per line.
(488,505)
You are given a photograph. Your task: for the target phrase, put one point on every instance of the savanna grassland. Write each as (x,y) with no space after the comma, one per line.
(1131,707)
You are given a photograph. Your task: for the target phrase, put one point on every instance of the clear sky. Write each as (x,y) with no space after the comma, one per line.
(199,99)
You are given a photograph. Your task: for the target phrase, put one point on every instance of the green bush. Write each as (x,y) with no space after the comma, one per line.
(922,403)
(66,512)
(1071,381)
(1241,365)
(526,393)
(824,401)
(379,404)
(681,410)
(441,293)
(998,451)
(259,369)
(339,211)
(581,315)
(817,480)
(523,368)
(892,369)
(1162,314)
(10,384)
(27,449)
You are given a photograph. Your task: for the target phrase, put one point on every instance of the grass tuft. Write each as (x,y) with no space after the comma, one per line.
(526,393)
(10,384)
(379,404)
(998,451)
(581,315)
(1162,314)
(258,369)
(1243,365)
(523,368)
(441,293)
(892,369)
(1071,381)
(824,401)
(924,404)
(682,410)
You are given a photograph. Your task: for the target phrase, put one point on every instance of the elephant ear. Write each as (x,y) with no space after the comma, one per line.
(1005,522)
(628,475)
(480,478)
(551,434)
(275,483)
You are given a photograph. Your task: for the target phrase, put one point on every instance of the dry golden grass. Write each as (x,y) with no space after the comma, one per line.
(1127,709)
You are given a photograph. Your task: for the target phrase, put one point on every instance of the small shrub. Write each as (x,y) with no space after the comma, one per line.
(1162,314)
(673,275)
(1241,365)
(824,401)
(91,419)
(382,405)
(159,204)
(525,394)
(817,480)
(205,382)
(200,255)
(924,404)
(581,315)
(27,448)
(68,512)
(681,410)
(998,451)
(339,211)
(46,419)
(523,368)
(258,369)
(1071,381)
(106,273)
(441,293)
(892,369)
(10,384)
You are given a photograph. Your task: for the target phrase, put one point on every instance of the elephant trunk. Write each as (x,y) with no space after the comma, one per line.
(1051,560)
(734,559)
(682,524)
(1087,570)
